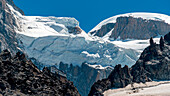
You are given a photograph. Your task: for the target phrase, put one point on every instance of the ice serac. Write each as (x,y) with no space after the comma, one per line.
(7,25)
(133,26)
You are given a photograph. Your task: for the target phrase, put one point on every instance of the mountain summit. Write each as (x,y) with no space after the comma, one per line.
(133,26)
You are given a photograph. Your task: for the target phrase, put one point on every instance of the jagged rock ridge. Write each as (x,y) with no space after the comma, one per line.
(154,63)
(21,77)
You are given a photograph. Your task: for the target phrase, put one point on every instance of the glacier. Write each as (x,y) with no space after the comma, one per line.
(48,40)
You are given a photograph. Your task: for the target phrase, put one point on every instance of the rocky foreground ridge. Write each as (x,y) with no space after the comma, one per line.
(154,63)
(20,77)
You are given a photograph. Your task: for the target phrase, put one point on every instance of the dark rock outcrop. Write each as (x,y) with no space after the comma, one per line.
(133,28)
(21,77)
(153,64)
(118,78)
(156,61)
(104,30)
(74,30)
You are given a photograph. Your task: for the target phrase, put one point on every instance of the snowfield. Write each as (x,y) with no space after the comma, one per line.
(149,89)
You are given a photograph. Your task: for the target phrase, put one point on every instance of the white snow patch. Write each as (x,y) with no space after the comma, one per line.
(91,55)
(98,66)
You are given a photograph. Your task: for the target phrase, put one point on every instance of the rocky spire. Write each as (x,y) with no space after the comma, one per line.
(161,43)
(151,41)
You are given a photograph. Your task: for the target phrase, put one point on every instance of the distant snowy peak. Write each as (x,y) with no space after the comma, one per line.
(144,15)
(125,24)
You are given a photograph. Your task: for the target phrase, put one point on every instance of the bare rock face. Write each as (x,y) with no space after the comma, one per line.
(7,23)
(74,30)
(153,64)
(138,28)
(21,77)
(84,76)
(104,30)
(133,28)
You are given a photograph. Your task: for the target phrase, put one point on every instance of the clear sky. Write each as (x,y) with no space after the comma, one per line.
(91,12)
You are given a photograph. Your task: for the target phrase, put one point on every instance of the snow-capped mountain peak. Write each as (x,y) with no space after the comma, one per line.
(144,15)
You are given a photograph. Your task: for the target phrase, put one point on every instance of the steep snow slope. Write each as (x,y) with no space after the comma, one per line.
(144,15)
(52,40)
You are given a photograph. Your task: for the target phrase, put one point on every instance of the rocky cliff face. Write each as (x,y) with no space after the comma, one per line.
(21,77)
(128,27)
(104,30)
(138,28)
(7,26)
(154,63)
(84,76)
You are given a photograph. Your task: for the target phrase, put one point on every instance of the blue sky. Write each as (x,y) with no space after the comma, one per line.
(91,12)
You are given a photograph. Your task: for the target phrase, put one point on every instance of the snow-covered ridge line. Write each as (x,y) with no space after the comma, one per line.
(144,15)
